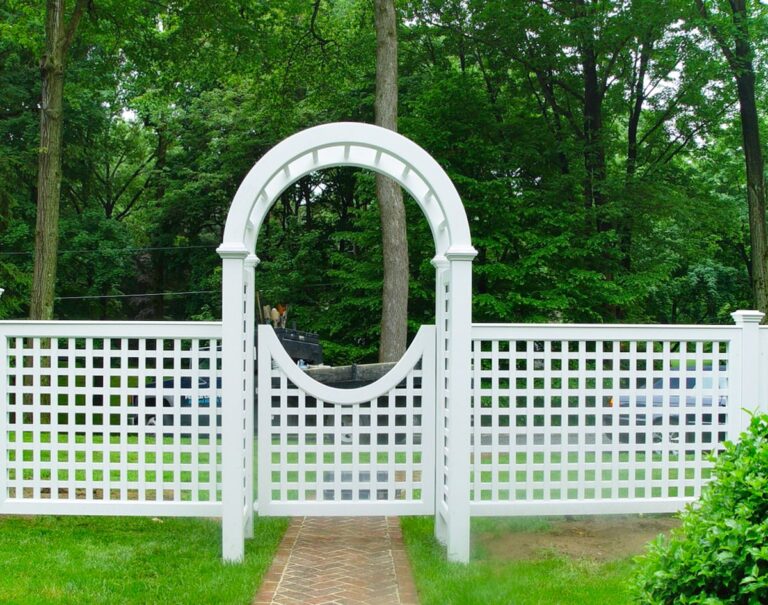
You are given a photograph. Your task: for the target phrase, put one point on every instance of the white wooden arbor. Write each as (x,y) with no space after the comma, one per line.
(385,152)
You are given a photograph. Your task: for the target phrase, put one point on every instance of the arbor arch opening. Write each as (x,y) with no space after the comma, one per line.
(447,373)
(321,260)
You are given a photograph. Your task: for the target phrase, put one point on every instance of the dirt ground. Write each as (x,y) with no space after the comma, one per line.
(596,538)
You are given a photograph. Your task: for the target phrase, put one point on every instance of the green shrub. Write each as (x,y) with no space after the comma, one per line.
(720,553)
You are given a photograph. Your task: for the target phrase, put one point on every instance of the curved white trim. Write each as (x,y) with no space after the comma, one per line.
(349,144)
(347,396)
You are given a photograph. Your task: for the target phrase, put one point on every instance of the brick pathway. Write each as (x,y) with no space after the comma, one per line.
(340,561)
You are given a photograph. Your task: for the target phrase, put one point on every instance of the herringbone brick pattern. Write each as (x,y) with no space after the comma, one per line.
(340,561)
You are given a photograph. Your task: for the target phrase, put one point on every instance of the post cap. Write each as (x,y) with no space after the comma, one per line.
(747,317)
(232,250)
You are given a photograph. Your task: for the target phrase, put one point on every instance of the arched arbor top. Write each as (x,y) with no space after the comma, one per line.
(349,144)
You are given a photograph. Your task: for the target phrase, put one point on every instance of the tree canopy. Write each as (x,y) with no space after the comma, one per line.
(597,147)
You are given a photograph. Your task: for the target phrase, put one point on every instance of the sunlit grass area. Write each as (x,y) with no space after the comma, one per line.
(77,560)
(490,579)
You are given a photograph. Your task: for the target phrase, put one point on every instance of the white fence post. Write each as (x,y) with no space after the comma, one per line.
(232,429)
(749,322)
(459,409)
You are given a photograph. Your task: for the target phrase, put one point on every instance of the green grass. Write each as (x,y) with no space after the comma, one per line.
(77,560)
(545,581)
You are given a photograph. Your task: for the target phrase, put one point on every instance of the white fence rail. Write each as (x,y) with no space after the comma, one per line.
(110,418)
(124,418)
(603,419)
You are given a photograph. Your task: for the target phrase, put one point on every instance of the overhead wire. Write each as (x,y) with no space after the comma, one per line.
(183,293)
(95,296)
(107,250)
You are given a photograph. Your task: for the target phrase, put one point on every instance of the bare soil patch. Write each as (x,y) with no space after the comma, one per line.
(596,538)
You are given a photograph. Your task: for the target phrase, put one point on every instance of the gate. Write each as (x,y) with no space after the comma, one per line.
(365,451)
(330,451)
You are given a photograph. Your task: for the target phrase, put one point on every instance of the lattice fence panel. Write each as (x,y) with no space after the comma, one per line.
(573,421)
(108,415)
(369,457)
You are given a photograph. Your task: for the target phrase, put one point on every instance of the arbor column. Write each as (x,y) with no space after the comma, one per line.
(233,379)
(460,409)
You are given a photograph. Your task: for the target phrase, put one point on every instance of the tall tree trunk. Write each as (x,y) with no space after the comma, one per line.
(753,156)
(594,144)
(394,312)
(637,98)
(740,61)
(58,37)
(158,256)
(595,167)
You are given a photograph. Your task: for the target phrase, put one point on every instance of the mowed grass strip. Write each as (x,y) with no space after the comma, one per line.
(547,580)
(77,560)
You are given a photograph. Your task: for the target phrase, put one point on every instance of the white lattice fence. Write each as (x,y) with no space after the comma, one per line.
(331,451)
(591,419)
(110,418)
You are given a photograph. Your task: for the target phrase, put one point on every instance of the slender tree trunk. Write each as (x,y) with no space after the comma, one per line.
(394,313)
(595,167)
(58,36)
(740,61)
(158,257)
(753,156)
(636,109)
(594,145)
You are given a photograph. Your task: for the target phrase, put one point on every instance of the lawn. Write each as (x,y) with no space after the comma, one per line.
(546,578)
(115,560)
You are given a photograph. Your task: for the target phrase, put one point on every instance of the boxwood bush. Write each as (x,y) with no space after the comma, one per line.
(720,552)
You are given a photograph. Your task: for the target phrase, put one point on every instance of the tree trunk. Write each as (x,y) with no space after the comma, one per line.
(740,61)
(394,313)
(753,155)
(158,256)
(58,36)
(594,145)
(637,98)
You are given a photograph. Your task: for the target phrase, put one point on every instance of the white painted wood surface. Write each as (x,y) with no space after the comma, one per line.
(329,451)
(110,418)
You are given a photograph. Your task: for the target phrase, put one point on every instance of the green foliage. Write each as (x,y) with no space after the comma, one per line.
(168,105)
(720,553)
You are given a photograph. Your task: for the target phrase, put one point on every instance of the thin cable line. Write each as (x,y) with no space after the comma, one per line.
(136,295)
(149,249)
(185,293)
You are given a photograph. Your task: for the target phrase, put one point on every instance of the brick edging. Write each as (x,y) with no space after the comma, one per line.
(271,580)
(406,587)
